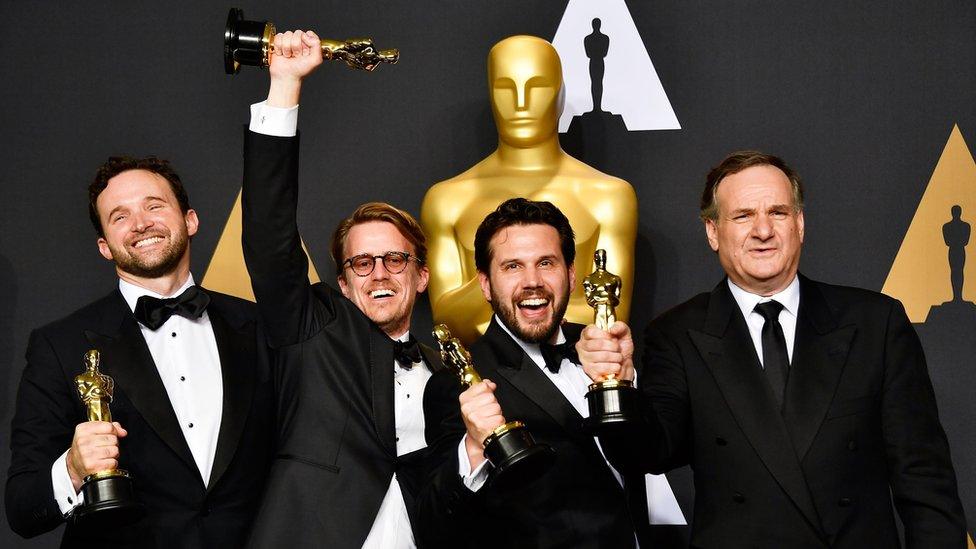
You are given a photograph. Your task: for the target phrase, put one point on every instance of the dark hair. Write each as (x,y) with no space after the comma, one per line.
(735,163)
(118,164)
(379,211)
(520,211)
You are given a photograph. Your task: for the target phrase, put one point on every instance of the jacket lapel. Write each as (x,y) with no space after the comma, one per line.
(432,358)
(526,377)
(236,348)
(819,355)
(126,358)
(727,350)
(381,378)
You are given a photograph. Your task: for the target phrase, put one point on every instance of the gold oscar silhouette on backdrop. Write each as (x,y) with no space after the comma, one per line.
(524,81)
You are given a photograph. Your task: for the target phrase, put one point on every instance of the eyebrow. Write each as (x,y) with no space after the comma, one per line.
(144,200)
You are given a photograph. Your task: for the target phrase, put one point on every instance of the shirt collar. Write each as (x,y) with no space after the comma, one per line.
(131,293)
(531,349)
(789,298)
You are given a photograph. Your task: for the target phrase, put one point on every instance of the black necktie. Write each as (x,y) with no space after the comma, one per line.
(776,361)
(554,355)
(406,353)
(153,312)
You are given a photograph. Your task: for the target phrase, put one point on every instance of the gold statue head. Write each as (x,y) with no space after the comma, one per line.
(92,358)
(525,79)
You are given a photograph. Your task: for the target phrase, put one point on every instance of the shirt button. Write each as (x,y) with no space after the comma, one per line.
(70,500)
(191,426)
(173,334)
(182,378)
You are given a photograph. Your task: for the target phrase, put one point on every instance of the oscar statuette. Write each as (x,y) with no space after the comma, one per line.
(251,43)
(611,401)
(511,450)
(109,498)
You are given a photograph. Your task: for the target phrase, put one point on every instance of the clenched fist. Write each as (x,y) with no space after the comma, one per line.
(482,414)
(95,447)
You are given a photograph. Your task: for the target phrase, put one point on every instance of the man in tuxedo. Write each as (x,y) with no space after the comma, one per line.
(193,403)
(350,377)
(524,253)
(803,408)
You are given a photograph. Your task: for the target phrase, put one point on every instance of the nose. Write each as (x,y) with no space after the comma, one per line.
(762,227)
(379,270)
(521,97)
(141,222)
(531,278)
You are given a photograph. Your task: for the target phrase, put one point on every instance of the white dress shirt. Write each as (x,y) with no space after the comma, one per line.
(391,528)
(188,362)
(789,298)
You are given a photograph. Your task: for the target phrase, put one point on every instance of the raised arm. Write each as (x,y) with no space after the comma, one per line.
(272,246)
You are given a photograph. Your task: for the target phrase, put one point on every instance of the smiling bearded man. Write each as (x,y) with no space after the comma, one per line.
(524,253)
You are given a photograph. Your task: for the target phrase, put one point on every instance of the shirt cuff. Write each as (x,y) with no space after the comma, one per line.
(64,489)
(274,121)
(472,480)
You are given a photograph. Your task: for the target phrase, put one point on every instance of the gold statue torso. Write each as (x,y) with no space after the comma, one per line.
(95,389)
(602,209)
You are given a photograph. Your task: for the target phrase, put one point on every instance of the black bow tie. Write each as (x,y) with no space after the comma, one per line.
(153,312)
(554,355)
(406,353)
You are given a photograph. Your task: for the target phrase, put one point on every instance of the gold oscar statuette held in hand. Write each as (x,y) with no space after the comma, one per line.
(510,448)
(611,401)
(109,499)
(252,43)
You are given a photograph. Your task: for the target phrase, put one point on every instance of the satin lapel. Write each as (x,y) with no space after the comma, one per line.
(381,376)
(727,350)
(432,357)
(819,355)
(126,358)
(525,376)
(236,347)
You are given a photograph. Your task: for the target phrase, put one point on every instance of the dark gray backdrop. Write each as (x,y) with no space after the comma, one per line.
(860,97)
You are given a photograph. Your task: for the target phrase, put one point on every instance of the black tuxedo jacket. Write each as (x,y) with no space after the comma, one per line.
(859,426)
(336,450)
(577,503)
(182,511)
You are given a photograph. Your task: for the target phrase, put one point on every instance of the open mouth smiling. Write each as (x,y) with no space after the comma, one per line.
(382,293)
(148,241)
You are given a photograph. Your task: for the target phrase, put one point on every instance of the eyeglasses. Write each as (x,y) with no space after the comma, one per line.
(393,262)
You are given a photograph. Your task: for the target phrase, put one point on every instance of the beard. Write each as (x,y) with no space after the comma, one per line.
(541,332)
(153,267)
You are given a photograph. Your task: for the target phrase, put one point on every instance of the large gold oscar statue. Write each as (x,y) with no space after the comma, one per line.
(525,82)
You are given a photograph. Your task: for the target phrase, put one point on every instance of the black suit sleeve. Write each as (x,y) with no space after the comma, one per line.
(272,246)
(445,507)
(44,420)
(660,442)
(923,482)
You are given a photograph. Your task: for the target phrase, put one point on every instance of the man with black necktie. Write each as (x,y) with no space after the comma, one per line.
(349,374)
(805,409)
(193,403)
(524,253)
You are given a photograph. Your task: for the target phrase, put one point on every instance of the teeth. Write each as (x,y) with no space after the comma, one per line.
(533,302)
(381,293)
(148,241)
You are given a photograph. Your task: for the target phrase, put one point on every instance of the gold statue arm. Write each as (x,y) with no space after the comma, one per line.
(457,303)
(618,235)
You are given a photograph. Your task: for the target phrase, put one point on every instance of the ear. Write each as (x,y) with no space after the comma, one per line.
(192,222)
(343,286)
(104,249)
(485,286)
(572,277)
(799,224)
(711,231)
(423,280)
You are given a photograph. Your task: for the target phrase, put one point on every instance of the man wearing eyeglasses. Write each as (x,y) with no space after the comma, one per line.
(350,378)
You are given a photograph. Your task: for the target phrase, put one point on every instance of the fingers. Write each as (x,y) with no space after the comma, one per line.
(311,40)
(620,330)
(95,447)
(480,410)
(296,43)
